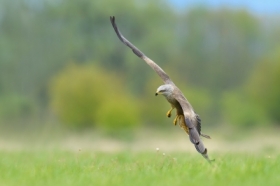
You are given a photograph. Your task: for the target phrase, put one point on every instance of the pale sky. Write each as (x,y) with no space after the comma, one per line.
(254,6)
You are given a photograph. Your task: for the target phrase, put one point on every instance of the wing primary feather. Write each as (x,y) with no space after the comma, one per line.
(140,54)
(194,136)
(124,40)
(200,148)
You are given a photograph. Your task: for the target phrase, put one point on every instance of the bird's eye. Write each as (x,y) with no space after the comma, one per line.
(161,91)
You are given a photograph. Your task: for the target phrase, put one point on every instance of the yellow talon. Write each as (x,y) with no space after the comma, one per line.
(168,114)
(175,120)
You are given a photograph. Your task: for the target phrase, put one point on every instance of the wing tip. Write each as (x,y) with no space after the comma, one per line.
(112,18)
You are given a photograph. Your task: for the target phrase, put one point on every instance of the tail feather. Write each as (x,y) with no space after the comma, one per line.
(205,136)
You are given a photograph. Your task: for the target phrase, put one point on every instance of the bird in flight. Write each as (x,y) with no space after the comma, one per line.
(188,120)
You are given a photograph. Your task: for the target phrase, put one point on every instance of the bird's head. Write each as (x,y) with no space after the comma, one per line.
(165,90)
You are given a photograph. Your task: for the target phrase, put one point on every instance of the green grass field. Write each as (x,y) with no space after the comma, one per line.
(59,167)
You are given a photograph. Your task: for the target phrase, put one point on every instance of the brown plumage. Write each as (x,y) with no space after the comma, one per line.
(188,119)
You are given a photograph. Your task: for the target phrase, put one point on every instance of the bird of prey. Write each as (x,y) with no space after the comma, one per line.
(187,118)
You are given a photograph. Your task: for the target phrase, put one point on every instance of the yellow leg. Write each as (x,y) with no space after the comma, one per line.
(168,114)
(175,120)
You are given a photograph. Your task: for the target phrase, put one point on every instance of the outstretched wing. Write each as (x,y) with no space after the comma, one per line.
(140,54)
(190,121)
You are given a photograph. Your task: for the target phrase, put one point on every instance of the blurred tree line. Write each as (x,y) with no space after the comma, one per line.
(63,57)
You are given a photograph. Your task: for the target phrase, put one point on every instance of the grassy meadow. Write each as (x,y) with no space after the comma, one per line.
(54,157)
(59,167)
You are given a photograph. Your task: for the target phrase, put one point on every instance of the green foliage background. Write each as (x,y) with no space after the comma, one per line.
(81,98)
(64,58)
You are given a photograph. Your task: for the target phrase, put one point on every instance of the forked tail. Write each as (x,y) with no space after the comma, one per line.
(205,136)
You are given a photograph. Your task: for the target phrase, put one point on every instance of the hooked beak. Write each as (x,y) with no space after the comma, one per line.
(157,93)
